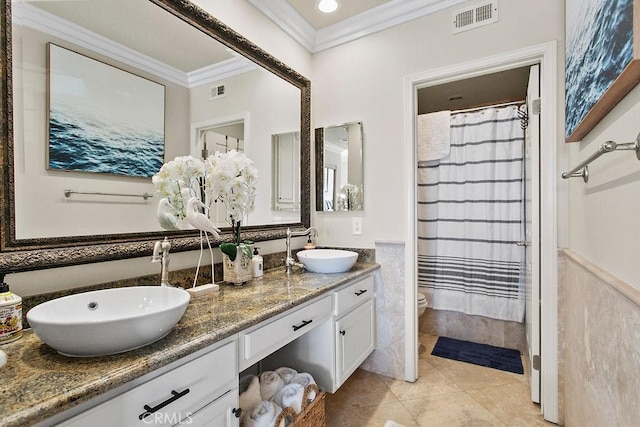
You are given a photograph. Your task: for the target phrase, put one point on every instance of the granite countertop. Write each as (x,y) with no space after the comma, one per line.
(38,383)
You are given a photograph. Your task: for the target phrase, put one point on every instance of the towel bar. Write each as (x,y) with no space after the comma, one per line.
(68,192)
(582,170)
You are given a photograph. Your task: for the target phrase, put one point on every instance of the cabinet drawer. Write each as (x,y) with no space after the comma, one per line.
(352,295)
(264,340)
(216,414)
(182,391)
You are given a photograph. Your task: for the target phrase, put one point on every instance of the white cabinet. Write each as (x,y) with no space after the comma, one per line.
(203,391)
(334,349)
(267,337)
(352,295)
(355,340)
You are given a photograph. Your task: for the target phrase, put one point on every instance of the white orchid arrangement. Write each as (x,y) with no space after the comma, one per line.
(228,178)
(231,179)
(350,198)
(178,181)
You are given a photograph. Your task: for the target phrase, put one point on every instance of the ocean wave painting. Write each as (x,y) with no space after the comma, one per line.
(103,119)
(599,46)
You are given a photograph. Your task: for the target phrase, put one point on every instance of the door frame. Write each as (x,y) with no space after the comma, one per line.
(546,55)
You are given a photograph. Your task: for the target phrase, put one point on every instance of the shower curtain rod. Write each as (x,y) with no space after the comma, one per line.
(482,107)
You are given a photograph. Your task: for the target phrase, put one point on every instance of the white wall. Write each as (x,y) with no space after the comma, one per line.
(604,226)
(363,81)
(272,106)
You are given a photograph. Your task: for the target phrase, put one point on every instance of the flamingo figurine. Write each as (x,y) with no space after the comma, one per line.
(198,219)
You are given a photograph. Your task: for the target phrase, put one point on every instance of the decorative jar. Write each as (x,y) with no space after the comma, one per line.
(238,271)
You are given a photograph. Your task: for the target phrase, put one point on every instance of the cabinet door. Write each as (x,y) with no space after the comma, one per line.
(286,167)
(355,340)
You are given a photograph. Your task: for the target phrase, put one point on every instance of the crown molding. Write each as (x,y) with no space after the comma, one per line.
(36,18)
(221,70)
(288,19)
(380,18)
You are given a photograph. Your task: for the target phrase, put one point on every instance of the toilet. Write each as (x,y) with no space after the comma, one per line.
(422,302)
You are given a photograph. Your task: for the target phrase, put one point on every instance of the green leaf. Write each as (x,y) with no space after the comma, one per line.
(246,249)
(230,249)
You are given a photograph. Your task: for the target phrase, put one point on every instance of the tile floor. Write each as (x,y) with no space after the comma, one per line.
(448,393)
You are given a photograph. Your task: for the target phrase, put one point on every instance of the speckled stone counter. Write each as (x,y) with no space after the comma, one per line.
(37,383)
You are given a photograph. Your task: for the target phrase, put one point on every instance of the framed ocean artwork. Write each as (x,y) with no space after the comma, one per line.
(102,119)
(602,60)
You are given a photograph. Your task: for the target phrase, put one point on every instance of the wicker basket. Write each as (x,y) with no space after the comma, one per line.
(312,414)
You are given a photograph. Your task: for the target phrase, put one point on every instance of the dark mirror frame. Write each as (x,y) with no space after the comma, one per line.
(34,254)
(319,138)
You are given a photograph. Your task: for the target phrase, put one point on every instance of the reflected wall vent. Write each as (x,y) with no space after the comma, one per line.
(217,91)
(475,15)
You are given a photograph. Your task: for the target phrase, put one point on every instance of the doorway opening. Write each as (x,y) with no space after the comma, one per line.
(475,212)
(545,55)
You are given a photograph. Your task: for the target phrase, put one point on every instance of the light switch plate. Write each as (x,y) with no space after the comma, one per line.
(356,226)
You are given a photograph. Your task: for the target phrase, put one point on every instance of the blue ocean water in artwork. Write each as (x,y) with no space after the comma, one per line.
(599,47)
(81,141)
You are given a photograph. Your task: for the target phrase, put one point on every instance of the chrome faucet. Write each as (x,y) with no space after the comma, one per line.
(161,254)
(289,263)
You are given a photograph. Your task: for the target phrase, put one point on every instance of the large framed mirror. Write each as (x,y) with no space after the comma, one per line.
(339,168)
(220,91)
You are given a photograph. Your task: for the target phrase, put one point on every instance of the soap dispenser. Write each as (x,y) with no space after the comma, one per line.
(309,245)
(256,264)
(10,313)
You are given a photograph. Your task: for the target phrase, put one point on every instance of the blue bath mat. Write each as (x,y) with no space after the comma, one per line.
(479,354)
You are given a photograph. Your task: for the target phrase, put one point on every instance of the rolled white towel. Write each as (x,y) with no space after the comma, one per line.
(249,395)
(263,415)
(291,395)
(286,373)
(270,384)
(304,379)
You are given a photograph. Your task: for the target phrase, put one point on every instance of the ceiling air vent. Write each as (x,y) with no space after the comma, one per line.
(217,91)
(474,16)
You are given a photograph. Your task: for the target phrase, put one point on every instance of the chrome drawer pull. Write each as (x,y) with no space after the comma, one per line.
(362,291)
(149,410)
(343,332)
(237,412)
(304,323)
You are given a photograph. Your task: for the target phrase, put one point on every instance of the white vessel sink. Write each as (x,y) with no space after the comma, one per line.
(327,260)
(108,321)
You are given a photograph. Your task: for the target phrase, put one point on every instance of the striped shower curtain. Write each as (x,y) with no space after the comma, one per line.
(471,215)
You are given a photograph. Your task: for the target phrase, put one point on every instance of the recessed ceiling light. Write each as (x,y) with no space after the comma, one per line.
(328,6)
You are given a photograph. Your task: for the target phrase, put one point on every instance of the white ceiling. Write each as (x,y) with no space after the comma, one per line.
(354,19)
(347,9)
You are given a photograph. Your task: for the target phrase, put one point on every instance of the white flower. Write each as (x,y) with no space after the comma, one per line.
(178,180)
(229,178)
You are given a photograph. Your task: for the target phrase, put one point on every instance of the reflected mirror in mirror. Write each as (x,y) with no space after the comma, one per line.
(208,87)
(339,170)
(285,155)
